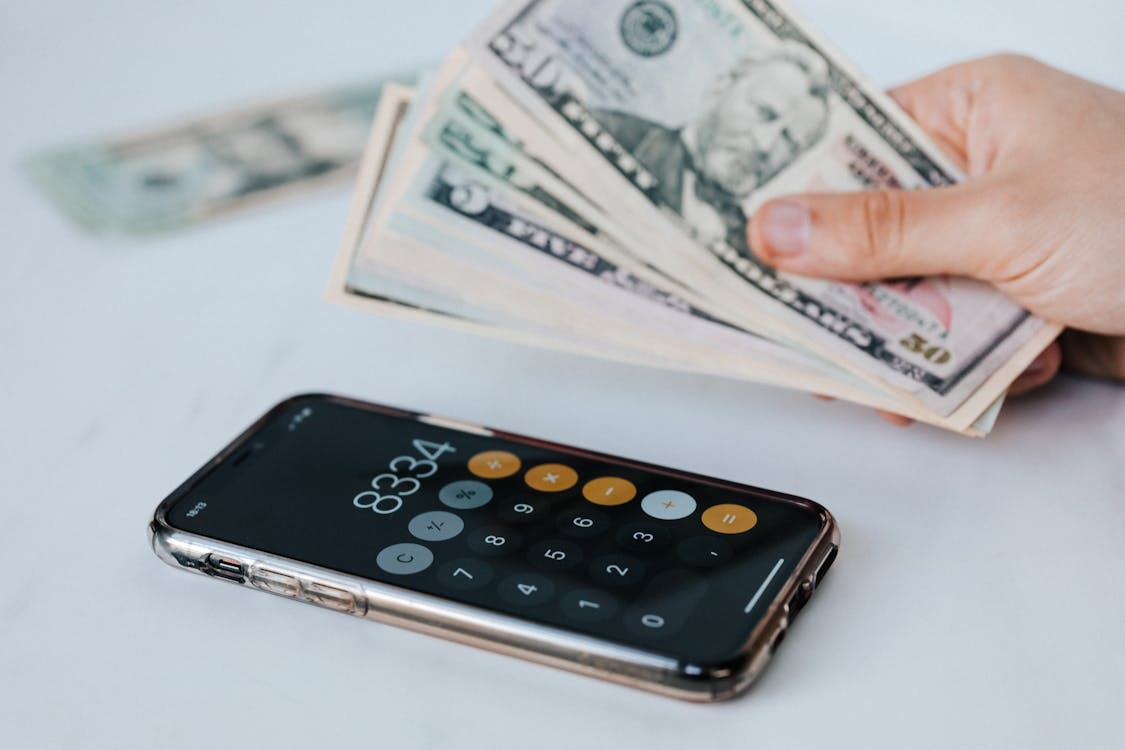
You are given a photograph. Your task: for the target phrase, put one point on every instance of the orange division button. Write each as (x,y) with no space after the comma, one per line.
(494,464)
(729,518)
(609,491)
(551,477)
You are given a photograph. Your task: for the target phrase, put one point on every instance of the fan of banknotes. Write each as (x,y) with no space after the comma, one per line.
(579,173)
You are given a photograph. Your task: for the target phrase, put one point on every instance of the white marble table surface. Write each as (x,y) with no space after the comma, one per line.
(977,601)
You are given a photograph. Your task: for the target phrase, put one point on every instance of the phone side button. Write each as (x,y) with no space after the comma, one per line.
(274,582)
(329,596)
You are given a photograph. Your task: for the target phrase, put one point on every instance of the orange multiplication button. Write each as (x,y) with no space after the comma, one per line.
(729,518)
(609,491)
(494,464)
(551,477)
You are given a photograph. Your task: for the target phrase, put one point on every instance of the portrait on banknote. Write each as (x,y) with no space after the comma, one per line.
(757,118)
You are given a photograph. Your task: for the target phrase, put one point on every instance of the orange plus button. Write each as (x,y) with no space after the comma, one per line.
(609,491)
(729,518)
(494,464)
(551,477)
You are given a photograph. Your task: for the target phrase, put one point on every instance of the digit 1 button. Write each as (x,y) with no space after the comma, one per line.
(551,477)
(729,518)
(494,464)
(494,540)
(554,554)
(668,505)
(588,605)
(526,589)
(404,559)
(609,491)
(617,570)
(465,574)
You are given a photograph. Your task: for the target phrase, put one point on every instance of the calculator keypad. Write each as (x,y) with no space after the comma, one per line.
(584,546)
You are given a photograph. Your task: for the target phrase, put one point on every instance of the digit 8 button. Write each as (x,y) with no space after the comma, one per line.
(494,540)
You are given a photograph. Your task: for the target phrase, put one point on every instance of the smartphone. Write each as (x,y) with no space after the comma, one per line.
(651,577)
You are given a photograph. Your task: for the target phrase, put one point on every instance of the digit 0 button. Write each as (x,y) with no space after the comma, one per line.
(494,464)
(729,518)
(609,491)
(551,477)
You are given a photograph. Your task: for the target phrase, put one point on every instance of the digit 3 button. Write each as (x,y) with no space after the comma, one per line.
(526,589)
(588,605)
(494,540)
(643,537)
(551,477)
(494,464)
(465,574)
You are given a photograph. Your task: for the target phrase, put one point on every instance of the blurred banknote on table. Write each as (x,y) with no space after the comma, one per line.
(579,175)
(179,175)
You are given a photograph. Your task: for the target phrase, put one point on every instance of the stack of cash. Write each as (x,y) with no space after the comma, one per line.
(579,175)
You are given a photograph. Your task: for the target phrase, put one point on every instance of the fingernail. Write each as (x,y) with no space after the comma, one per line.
(785,227)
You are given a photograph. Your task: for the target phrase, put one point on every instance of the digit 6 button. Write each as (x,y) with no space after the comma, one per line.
(583,523)
(493,540)
(617,570)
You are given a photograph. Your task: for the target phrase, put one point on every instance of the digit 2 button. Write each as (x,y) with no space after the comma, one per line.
(617,570)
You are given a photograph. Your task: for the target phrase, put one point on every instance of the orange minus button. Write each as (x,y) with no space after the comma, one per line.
(551,477)
(729,518)
(609,491)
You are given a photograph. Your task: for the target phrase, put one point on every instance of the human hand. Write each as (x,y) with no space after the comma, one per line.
(1041,215)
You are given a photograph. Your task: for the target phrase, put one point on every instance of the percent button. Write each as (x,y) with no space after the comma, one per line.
(465,494)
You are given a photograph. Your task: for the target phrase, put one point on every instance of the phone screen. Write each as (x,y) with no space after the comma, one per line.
(629,553)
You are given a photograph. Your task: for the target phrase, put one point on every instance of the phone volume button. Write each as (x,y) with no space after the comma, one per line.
(330,597)
(274,582)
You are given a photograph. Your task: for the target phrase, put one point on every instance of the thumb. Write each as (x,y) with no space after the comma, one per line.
(884,233)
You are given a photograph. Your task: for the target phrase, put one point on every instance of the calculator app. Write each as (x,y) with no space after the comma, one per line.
(632,555)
